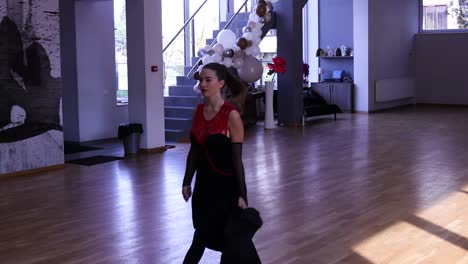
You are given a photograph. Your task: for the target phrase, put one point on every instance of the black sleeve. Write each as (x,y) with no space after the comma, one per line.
(239,169)
(191,165)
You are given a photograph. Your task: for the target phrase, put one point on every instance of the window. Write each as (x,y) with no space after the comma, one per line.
(435,17)
(444,15)
(121,52)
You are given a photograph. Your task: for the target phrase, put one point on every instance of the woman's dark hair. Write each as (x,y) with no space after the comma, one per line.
(234,89)
(223,74)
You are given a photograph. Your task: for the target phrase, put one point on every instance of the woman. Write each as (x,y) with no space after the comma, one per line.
(215,154)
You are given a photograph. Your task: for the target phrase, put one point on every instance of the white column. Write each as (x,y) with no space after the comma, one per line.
(362,47)
(144,45)
(269,115)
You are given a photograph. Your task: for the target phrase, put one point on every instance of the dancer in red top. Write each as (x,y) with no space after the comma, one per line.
(216,156)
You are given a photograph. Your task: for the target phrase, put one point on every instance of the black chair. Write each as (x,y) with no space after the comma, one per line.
(315,105)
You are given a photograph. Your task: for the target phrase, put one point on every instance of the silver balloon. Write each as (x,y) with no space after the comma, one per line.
(200,53)
(227,62)
(228,53)
(239,54)
(251,70)
(246,29)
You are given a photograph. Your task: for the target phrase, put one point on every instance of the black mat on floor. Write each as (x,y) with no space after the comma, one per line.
(90,161)
(71,148)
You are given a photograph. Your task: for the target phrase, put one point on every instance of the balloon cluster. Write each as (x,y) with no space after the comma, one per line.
(241,52)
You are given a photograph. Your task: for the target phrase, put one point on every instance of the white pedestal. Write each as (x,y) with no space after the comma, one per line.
(269,116)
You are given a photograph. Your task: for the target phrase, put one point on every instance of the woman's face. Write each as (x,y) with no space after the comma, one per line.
(209,83)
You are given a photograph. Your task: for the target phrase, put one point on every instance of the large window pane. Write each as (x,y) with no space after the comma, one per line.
(247,7)
(206,21)
(121,51)
(444,14)
(172,22)
(441,17)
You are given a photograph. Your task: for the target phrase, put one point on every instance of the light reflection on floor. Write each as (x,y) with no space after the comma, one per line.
(438,234)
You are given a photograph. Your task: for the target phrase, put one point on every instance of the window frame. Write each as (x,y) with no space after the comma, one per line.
(434,31)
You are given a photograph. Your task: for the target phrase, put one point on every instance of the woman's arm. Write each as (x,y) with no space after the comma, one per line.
(190,169)
(191,166)
(236,129)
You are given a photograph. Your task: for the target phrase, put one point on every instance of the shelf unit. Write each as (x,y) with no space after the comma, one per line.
(335,57)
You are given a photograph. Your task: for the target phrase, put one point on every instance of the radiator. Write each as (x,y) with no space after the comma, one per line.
(393,89)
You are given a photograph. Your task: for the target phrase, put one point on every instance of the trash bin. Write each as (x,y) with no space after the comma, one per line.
(130,135)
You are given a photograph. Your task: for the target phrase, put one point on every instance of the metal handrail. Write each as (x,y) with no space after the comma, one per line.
(183,27)
(214,41)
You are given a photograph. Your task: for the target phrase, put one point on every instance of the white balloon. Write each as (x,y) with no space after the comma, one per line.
(227,62)
(216,58)
(259,25)
(248,35)
(218,48)
(248,51)
(256,41)
(207,59)
(257,32)
(255,50)
(227,38)
(207,48)
(254,17)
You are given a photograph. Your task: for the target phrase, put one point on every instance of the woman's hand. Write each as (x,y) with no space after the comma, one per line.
(242,203)
(186,192)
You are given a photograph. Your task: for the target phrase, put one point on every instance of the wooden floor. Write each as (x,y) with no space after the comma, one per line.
(390,187)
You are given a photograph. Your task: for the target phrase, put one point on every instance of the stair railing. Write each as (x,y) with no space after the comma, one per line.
(195,66)
(185,24)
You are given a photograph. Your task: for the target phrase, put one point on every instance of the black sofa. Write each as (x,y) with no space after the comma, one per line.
(315,105)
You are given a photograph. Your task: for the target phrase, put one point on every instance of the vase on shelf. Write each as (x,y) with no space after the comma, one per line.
(269,117)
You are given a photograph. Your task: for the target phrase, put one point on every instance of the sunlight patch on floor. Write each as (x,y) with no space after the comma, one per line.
(438,234)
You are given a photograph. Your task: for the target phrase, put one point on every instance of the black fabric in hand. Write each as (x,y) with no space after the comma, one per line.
(239,169)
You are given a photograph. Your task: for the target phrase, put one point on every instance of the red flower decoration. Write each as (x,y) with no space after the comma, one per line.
(278,66)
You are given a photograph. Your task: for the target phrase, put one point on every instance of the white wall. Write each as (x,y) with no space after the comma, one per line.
(392,25)
(99,116)
(144,45)
(441,68)
(361,54)
(311,40)
(383,46)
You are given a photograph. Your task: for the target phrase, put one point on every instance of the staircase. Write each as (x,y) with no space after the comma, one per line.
(179,105)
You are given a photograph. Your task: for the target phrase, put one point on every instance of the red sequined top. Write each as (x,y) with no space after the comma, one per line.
(202,128)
